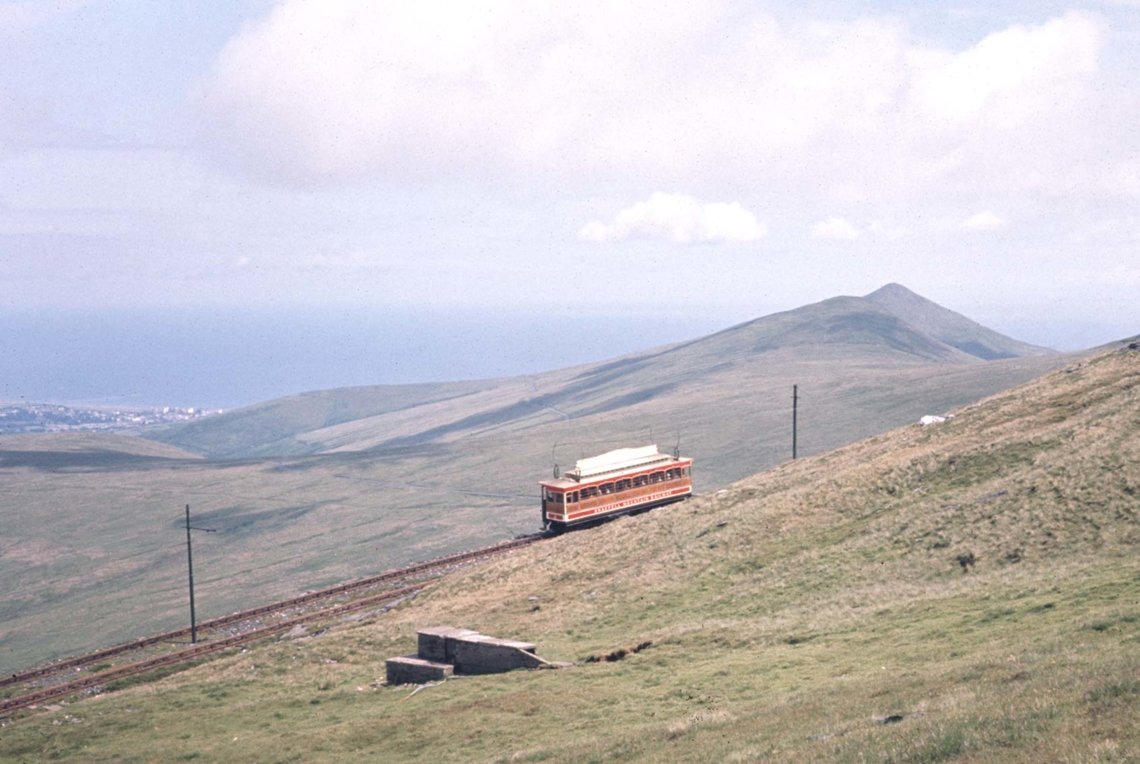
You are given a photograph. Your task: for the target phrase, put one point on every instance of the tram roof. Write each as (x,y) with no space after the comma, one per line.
(614,463)
(617,460)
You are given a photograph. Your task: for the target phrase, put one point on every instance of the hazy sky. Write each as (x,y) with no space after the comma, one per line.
(710,158)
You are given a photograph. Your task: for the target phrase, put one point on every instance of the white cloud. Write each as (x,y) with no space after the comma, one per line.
(983,221)
(1019,62)
(835,228)
(679,218)
(680,94)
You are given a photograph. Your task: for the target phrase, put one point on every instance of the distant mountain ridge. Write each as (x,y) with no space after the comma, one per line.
(949,327)
(890,329)
(843,325)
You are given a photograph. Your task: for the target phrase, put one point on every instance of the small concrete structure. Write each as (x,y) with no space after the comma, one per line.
(445,650)
(410,669)
(487,655)
(438,642)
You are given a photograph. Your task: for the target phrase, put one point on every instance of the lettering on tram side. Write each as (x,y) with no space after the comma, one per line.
(644,499)
(631,502)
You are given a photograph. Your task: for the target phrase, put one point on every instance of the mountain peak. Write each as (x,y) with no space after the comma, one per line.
(952,328)
(893,289)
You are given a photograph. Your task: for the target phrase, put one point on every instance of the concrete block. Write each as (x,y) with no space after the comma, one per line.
(411,669)
(488,655)
(443,650)
(529,647)
(436,643)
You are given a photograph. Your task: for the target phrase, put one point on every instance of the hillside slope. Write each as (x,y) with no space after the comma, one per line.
(952,328)
(322,487)
(92,444)
(891,330)
(273,428)
(966,591)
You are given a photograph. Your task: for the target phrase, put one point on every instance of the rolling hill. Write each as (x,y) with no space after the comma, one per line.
(326,486)
(890,329)
(964,591)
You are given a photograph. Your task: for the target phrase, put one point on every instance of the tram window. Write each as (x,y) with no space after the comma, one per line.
(656,477)
(608,488)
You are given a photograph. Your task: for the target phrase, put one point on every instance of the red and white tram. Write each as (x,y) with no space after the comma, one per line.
(615,483)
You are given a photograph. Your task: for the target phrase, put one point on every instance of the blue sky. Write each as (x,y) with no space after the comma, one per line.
(707,159)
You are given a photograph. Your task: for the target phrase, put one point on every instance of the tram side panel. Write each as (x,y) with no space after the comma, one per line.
(566,503)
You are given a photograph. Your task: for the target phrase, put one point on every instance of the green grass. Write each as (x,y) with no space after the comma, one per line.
(798,616)
(109,541)
(710,689)
(150,676)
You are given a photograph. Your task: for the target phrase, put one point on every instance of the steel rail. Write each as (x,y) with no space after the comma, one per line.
(206,648)
(199,650)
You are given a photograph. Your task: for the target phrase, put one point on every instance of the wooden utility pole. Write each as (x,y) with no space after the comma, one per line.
(190,569)
(795,406)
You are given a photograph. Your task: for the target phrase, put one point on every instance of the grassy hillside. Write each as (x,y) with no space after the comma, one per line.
(967,591)
(373,478)
(91,444)
(272,428)
(98,538)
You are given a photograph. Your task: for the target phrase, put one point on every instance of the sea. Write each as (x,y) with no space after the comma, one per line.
(229,358)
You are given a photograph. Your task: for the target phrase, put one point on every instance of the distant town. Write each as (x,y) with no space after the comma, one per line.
(52,417)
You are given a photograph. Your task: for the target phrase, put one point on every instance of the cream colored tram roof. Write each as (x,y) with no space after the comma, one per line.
(611,463)
(617,460)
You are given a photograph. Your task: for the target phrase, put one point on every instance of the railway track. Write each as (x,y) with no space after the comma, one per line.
(57,680)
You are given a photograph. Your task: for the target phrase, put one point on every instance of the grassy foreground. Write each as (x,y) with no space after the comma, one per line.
(968,591)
